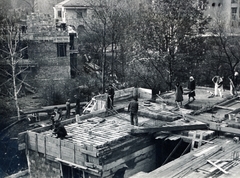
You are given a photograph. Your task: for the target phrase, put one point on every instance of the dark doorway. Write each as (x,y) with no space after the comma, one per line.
(168,150)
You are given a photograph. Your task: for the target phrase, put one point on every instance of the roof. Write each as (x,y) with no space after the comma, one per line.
(73,3)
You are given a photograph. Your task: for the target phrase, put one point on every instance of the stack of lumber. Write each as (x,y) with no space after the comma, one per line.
(202,162)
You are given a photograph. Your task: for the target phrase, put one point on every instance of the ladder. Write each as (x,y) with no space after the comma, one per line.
(90,106)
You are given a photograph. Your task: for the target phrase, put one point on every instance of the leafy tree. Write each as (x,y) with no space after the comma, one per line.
(166,34)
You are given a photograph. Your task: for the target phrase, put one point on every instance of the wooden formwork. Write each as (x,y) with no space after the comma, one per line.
(99,148)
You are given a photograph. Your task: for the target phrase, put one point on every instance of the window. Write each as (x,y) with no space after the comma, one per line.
(233,1)
(202,4)
(59,13)
(61,49)
(234,12)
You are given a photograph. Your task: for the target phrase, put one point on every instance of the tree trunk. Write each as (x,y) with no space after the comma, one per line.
(104,58)
(15,92)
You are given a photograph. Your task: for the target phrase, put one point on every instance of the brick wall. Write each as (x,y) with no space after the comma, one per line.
(39,166)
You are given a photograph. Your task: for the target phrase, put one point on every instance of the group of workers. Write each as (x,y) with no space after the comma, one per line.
(56,116)
(218,84)
(218,87)
(179,91)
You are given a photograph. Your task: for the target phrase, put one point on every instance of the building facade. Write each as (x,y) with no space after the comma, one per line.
(47,47)
(225,11)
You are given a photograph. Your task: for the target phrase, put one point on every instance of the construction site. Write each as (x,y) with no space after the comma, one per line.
(199,139)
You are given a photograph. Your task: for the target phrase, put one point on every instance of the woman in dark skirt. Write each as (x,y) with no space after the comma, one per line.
(191,87)
(178,93)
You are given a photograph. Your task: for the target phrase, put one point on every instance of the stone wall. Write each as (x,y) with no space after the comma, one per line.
(42,39)
(50,67)
(39,166)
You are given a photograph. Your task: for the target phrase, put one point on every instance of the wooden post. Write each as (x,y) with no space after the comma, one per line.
(200,140)
(59,144)
(61,170)
(72,172)
(74,153)
(36,142)
(83,172)
(26,142)
(44,141)
(193,140)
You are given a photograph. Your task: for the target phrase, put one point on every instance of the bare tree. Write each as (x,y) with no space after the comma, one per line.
(106,33)
(224,45)
(11,54)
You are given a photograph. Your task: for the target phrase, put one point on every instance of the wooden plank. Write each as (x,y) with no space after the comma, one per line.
(193,140)
(89,170)
(36,140)
(218,127)
(185,162)
(168,128)
(45,149)
(60,151)
(21,140)
(212,163)
(48,109)
(224,107)
(129,157)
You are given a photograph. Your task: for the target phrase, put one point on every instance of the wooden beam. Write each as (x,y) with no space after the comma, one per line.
(50,108)
(218,127)
(36,141)
(224,107)
(59,145)
(212,163)
(168,128)
(91,170)
(215,126)
(45,149)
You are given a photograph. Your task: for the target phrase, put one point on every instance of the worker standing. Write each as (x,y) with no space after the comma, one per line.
(133,108)
(77,110)
(218,85)
(111,94)
(68,108)
(191,87)
(178,94)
